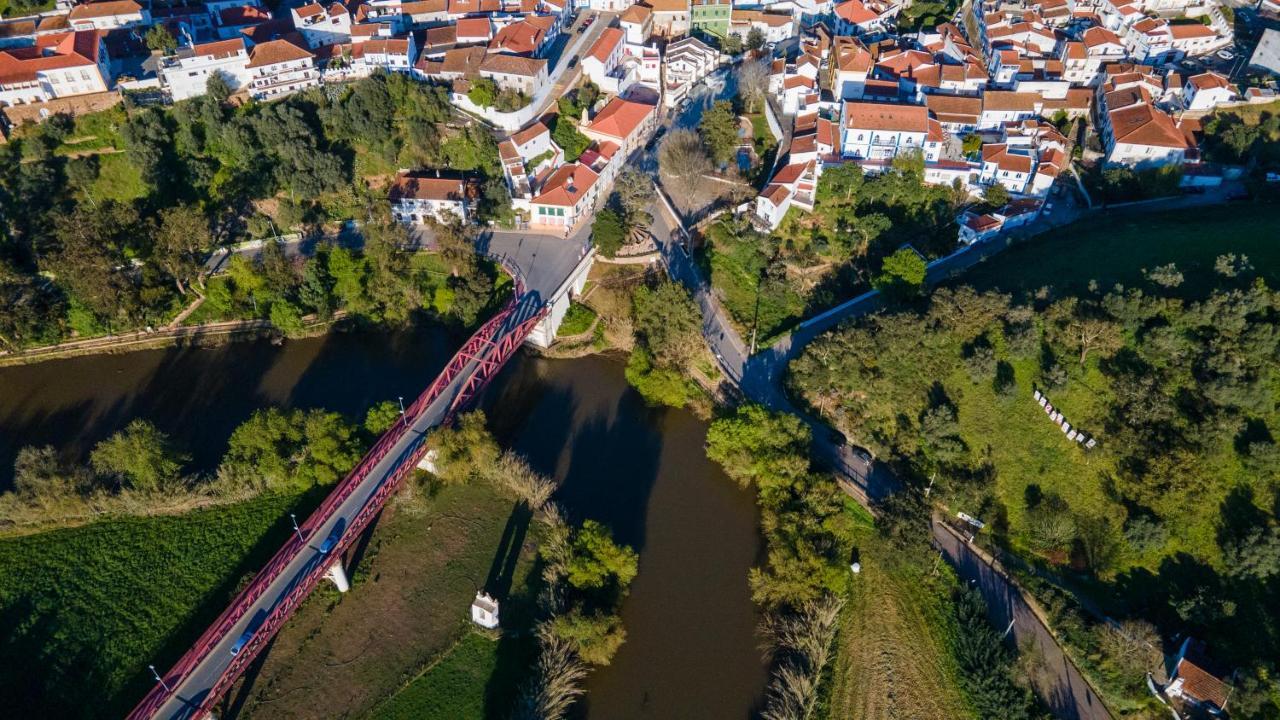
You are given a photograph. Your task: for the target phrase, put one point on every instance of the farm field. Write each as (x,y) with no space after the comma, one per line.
(408,610)
(893,654)
(84,611)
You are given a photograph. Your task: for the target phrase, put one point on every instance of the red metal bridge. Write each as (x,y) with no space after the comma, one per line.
(214,663)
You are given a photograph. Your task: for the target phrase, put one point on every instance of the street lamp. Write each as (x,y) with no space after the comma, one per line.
(159,679)
(296,529)
(403,419)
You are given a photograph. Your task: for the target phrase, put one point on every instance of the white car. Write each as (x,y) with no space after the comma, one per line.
(1225,54)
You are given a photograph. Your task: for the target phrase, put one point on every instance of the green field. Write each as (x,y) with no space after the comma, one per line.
(1115,249)
(577,320)
(84,611)
(452,689)
(118,179)
(893,654)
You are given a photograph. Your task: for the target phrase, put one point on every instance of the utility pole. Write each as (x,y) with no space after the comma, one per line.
(159,679)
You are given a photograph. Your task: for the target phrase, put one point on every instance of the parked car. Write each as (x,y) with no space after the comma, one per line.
(1226,55)
(573,62)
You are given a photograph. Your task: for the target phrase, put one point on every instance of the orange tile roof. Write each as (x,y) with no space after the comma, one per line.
(567,185)
(408,186)
(275,51)
(668,6)
(620,118)
(518,37)
(1186,31)
(512,65)
(886,116)
(636,14)
(470,28)
(68,50)
(1145,125)
(220,49)
(88,11)
(605,45)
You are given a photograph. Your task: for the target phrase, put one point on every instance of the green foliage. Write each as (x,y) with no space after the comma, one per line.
(598,563)
(972,143)
(668,323)
(1237,134)
(1122,184)
(755,39)
(985,664)
(996,195)
(483,92)
(658,386)
(719,131)
(595,637)
(564,132)
(381,416)
(290,450)
(454,688)
(577,320)
(608,233)
(902,275)
(464,450)
(758,447)
(159,39)
(747,268)
(140,456)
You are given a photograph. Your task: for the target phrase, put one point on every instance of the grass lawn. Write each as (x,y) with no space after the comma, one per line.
(1115,250)
(83,611)
(577,320)
(893,653)
(118,179)
(408,610)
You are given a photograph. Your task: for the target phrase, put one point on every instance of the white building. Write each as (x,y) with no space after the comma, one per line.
(109,15)
(278,68)
(602,62)
(484,611)
(685,64)
(57,66)
(187,73)
(417,198)
(1208,90)
(882,131)
(322,25)
(513,72)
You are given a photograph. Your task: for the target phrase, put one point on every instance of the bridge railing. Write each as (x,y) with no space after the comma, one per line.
(489,335)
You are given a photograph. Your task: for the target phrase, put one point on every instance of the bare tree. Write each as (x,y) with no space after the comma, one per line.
(753,84)
(556,682)
(683,161)
(799,644)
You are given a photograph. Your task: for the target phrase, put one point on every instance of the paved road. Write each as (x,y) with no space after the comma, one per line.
(1058,681)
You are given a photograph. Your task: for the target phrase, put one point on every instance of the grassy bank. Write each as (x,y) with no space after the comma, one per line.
(84,611)
(1113,250)
(408,611)
(893,653)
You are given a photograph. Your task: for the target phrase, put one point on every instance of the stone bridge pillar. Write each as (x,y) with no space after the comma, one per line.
(339,576)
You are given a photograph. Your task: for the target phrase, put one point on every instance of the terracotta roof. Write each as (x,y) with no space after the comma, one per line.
(998,153)
(567,185)
(886,116)
(1006,100)
(313,10)
(636,14)
(668,6)
(606,44)
(219,50)
(408,186)
(424,7)
(954,108)
(766,18)
(529,133)
(276,51)
(469,28)
(1208,81)
(51,52)
(88,11)
(855,11)
(1095,36)
(1145,125)
(620,118)
(512,65)
(776,194)
(1201,685)
(440,36)
(851,56)
(473,7)
(459,61)
(243,15)
(383,46)
(1186,31)
(518,37)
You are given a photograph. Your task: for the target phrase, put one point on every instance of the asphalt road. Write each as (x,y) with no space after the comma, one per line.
(1058,681)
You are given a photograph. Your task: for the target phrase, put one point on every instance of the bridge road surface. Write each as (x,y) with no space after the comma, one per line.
(188,695)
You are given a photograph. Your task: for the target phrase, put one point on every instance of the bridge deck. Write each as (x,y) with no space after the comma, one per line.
(197,681)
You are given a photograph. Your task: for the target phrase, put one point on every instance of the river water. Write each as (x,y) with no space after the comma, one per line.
(690,650)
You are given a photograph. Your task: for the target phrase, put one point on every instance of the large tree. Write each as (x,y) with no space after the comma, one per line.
(182,240)
(683,160)
(719,131)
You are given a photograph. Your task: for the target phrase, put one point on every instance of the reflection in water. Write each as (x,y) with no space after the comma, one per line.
(690,650)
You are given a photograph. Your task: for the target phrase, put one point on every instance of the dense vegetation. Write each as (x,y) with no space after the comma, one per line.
(204,173)
(771,281)
(668,339)
(1170,518)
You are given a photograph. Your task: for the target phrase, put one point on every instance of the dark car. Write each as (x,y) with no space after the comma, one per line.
(258,618)
(334,536)
(573,62)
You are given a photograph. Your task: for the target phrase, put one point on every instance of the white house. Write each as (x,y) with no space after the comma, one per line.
(278,67)
(849,63)
(774,27)
(1141,135)
(390,54)
(484,611)
(1208,90)
(109,15)
(856,17)
(566,198)
(527,156)
(671,18)
(514,72)
(186,74)
(637,24)
(57,66)
(416,198)
(322,25)
(686,63)
(882,131)
(601,62)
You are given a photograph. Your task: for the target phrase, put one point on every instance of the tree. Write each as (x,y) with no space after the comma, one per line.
(971,143)
(381,416)
(758,447)
(483,92)
(289,450)
(599,563)
(464,450)
(634,191)
(607,232)
(286,317)
(668,322)
(181,241)
(719,131)
(1166,276)
(596,637)
(731,45)
(755,39)
(82,173)
(565,134)
(140,457)
(996,195)
(753,85)
(902,275)
(159,39)
(683,161)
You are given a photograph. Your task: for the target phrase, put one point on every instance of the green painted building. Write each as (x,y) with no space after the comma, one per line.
(711,17)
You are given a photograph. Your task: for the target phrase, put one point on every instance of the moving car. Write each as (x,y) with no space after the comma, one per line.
(258,618)
(334,536)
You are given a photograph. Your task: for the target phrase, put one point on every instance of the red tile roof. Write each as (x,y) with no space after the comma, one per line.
(567,185)
(886,116)
(620,118)
(276,51)
(609,40)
